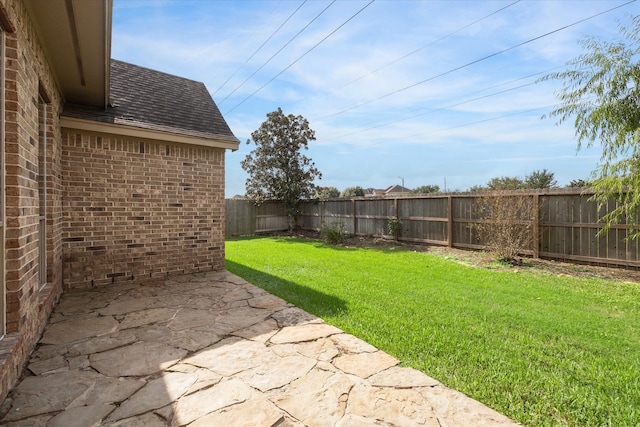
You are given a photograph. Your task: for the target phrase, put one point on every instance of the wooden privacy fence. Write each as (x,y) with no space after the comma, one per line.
(565,227)
(244,218)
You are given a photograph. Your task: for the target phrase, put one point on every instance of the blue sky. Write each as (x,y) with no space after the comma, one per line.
(422,91)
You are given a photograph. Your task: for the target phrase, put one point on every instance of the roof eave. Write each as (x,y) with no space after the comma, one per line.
(76,38)
(219,141)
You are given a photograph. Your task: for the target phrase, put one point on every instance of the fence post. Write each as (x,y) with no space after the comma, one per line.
(355,217)
(450,221)
(536,226)
(395,210)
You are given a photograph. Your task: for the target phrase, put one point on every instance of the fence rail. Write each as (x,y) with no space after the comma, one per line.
(565,227)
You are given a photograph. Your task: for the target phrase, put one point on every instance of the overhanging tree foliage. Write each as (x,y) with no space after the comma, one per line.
(540,179)
(505,183)
(601,92)
(579,183)
(356,191)
(425,189)
(277,169)
(327,193)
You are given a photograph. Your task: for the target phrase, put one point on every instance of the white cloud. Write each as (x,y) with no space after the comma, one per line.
(409,116)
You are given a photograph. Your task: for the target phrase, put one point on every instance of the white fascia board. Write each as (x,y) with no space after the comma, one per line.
(230,143)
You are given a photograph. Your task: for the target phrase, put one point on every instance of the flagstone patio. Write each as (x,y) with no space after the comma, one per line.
(210,349)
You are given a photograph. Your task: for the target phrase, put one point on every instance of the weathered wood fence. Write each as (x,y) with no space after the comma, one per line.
(244,218)
(565,227)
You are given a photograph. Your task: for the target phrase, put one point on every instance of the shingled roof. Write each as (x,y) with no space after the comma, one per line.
(149,99)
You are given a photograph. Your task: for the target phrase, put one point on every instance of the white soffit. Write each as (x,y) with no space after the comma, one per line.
(76,37)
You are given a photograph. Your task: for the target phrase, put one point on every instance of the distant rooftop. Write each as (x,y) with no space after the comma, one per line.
(149,99)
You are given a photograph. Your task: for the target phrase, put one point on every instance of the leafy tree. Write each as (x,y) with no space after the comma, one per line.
(353,192)
(601,93)
(579,183)
(424,189)
(276,167)
(505,183)
(540,179)
(327,192)
(477,189)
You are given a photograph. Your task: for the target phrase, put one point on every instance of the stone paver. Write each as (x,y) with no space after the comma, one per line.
(141,358)
(365,364)
(210,349)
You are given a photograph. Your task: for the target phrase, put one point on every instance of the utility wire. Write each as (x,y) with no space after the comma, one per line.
(280,50)
(302,56)
(429,44)
(502,116)
(424,113)
(477,60)
(261,46)
(435,110)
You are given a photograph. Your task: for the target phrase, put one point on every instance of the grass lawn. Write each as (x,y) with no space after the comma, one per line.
(542,349)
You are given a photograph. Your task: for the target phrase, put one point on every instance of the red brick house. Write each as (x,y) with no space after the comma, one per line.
(110,172)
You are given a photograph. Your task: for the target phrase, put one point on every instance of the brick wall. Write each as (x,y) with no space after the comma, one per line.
(139,210)
(27,75)
(117,209)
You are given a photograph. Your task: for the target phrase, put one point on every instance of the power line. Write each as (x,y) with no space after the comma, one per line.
(502,116)
(279,50)
(477,61)
(430,44)
(261,46)
(302,56)
(435,110)
(457,104)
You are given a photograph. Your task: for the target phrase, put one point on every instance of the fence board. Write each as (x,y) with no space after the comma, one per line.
(464,216)
(373,216)
(239,217)
(270,217)
(310,217)
(424,219)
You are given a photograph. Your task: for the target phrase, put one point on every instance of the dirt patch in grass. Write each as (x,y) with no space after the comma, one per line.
(482,259)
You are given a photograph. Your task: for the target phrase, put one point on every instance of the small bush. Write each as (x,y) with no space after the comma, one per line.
(333,233)
(394,226)
(506,228)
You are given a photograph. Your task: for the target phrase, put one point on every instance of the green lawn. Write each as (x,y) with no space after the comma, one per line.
(542,349)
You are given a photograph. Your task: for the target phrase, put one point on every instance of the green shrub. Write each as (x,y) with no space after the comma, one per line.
(394,226)
(333,233)
(506,229)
